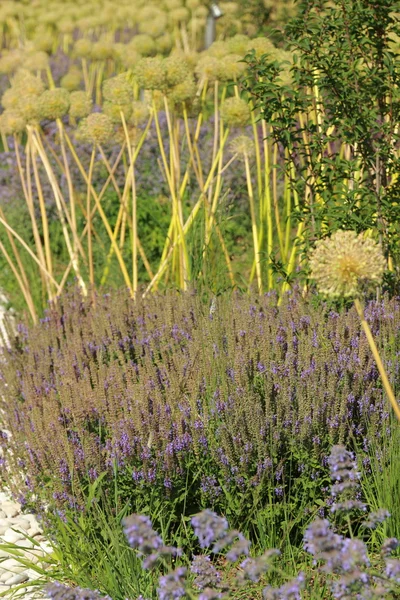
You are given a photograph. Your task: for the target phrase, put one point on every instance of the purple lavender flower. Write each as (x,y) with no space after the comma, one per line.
(172,585)
(374,518)
(207,574)
(345,475)
(324,544)
(288,591)
(210,594)
(389,545)
(59,591)
(141,535)
(254,568)
(239,548)
(208,527)
(392,570)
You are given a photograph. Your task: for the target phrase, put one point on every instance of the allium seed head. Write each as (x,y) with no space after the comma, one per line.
(102,50)
(72,80)
(10,61)
(140,112)
(96,128)
(118,90)
(114,111)
(150,73)
(36,61)
(143,43)
(208,67)
(30,108)
(231,67)
(183,92)
(342,263)
(82,48)
(176,69)
(11,98)
(27,83)
(218,49)
(235,112)
(11,121)
(164,43)
(81,104)
(242,145)
(261,45)
(238,44)
(54,104)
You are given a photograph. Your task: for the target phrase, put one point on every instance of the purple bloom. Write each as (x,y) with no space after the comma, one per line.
(141,535)
(207,574)
(254,568)
(208,527)
(288,591)
(392,569)
(59,591)
(374,518)
(172,585)
(389,545)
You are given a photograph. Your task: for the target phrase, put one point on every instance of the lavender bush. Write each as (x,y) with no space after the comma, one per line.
(238,402)
(342,566)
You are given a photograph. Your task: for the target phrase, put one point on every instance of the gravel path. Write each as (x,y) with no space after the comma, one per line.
(14,527)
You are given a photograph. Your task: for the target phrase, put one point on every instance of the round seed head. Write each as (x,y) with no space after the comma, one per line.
(66,26)
(242,145)
(192,4)
(201,12)
(118,90)
(230,8)
(155,24)
(30,108)
(344,262)
(155,96)
(114,111)
(12,122)
(218,49)
(179,15)
(164,43)
(140,113)
(172,4)
(72,80)
(235,112)
(238,44)
(261,45)
(26,83)
(81,104)
(54,104)
(208,68)
(11,98)
(96,128)
(150,73)
(143,43)
(102,50)
(10,62)
(130,58)
(177,69)
(184,91)
(231,67)
(82,48)
(44,41)
(36,61)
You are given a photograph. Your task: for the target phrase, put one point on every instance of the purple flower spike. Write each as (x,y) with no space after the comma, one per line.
(208,527)
(207,574)
(59,591)
(141,535)
(172,585)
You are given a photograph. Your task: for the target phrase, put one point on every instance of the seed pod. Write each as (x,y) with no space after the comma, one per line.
(208,68)
(11,98)
(183,92)
(164,43)
(177,69)
(81,104)
(82,48)
(140,113)
(36,61)
(231,67)
(11,122)
(238,44)
(10,62)
(114,111)
(150,73)
(143,43)
(27,83)
(118,90)
(235,112)
(30,108)
(71,80)
(54,104)
(242,145)
(102,50)
(261,45)
(96,128)
(218,49)
(179,15)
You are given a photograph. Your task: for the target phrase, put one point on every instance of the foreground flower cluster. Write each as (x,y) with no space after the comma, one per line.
(344,559)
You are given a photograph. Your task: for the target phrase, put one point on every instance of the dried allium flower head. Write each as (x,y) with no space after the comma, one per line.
(114,111)
(177,69)
(140,112)
(238,44)
(341,263)
(208,67)
(218,49)
(30,108)
(261,45)
(164,43)
(130,57)
(179,15)
(235,112)
(11,121)
(192,4)
(184,91)
(96,128)
(27,83)
(232,67)
(72,79)
(11,98)
(82,48)
(102,50)
(242,145)
(150,73)
(54,104)
(81,104)
(36,61)
(154,24)
(10,61)
(143,43)
(118,90)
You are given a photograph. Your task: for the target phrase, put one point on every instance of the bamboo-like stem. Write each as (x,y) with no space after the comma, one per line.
(378,360)
(267,213)
(253,223)
(89,220)
(23,287)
